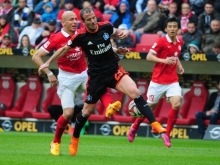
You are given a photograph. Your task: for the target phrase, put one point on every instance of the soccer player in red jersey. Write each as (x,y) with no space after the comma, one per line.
(164,53)
(103,70)
(72,76)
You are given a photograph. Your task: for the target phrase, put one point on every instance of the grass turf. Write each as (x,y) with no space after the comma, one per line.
(20,148)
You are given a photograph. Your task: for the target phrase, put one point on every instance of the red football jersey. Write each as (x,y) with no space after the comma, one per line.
(163,48)
(73,60)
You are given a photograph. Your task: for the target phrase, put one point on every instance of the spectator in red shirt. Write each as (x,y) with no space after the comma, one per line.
(6,27)
(7,9)
(110,6)
(6,41)
(68,6)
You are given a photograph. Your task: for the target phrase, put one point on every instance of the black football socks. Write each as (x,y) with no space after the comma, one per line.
(80,122)
(144,108)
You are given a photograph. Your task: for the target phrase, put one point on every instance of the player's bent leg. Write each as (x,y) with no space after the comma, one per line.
(112,109)
(73,147)
(166,140)
(133,129)
(81,119)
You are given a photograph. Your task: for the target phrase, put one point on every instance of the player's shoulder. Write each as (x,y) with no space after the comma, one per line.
(104,23)
(79,33)
(56,36)
(161,40)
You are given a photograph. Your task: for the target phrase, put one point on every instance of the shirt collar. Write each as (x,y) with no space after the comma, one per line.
(64,33)
(169,40)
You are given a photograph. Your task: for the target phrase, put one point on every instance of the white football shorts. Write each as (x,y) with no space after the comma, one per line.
(69,83)
(157,91)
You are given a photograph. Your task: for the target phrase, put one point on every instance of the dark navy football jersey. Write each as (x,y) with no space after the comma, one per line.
(98,49)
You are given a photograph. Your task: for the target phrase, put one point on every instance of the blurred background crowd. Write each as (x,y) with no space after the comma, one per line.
(29,23)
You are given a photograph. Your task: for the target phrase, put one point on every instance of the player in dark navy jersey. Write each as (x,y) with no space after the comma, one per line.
(103,70)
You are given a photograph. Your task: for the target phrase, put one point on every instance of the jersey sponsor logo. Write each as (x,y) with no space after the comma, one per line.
(90,43)
(101,49)
(106,36)
(74,56)
(46,44)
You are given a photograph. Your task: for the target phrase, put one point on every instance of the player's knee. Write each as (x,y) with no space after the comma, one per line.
(68,113)
(86,112)
(134,92)
(176,105)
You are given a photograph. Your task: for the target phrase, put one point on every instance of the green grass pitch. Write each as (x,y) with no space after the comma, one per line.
(19,148)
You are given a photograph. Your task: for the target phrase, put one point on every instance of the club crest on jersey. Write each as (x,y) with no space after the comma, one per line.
(77,49)
(88,98)
(106,36)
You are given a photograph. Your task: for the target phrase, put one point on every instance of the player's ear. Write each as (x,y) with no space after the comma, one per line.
(165,29)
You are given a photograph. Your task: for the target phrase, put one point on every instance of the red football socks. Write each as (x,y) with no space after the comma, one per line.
(61,126)
(137,123)
(172,117)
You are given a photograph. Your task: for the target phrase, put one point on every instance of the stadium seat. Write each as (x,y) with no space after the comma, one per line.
(142,85)
(162,110)
(28,100)
(133,36)
(146,42)
(116,96)
(51,99)
(194,100)
(7,92)
(106,17)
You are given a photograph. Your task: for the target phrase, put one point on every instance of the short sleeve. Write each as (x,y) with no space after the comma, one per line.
(50,45)
(156,47)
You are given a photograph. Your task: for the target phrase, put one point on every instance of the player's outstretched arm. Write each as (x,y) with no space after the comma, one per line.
(121,34)
(151,56)
(59,53)
(121,50)
(37,59)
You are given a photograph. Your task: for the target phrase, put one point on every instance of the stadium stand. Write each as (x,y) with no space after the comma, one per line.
(116,96)
(194,100)
(7,92)
(28,100)
(142,85)
(162,110)
(51,99)
(146,42)
(106,17)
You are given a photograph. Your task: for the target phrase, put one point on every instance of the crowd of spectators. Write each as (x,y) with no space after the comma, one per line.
(29,23)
